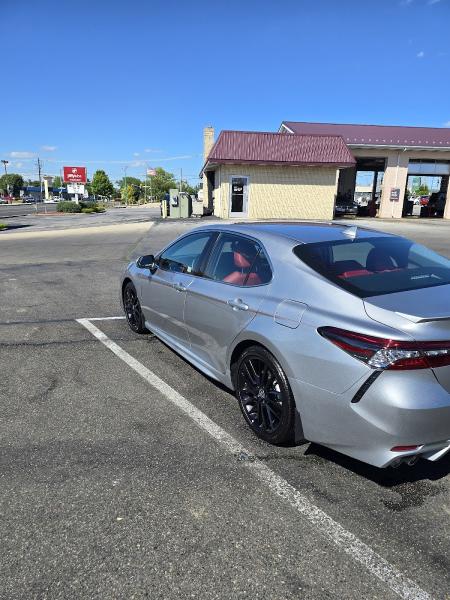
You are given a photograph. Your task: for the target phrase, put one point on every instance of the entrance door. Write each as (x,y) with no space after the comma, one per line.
(239,197)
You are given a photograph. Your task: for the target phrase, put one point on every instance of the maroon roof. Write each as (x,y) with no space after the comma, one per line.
(280,149)
(377,135)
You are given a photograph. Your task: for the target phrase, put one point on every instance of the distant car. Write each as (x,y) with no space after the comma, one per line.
(29,200)
(328,333)
(2,201)
(345,208)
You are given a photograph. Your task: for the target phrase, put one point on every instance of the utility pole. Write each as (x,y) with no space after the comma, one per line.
(5,162)
(126,188)
(181,180)
(40,177)
(145,186)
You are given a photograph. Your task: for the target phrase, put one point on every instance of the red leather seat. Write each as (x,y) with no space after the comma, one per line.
(239,276)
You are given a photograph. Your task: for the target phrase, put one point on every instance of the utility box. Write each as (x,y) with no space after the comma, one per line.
(197,207)
(180,205)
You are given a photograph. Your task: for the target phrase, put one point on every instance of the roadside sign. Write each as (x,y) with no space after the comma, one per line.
(395,195)
(75,188)
(75,174)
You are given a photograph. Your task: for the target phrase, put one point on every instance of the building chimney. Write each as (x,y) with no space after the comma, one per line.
(208,141)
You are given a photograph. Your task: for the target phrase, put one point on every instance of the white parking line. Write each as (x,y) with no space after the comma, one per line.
(102,319)
(345,540)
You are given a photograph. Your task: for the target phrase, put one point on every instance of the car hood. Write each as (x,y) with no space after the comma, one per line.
(423,314)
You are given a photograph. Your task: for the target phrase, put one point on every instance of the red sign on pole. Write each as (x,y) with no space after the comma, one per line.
(75,175)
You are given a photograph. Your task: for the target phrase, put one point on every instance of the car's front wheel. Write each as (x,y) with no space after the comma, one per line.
(132,308)
(264,395)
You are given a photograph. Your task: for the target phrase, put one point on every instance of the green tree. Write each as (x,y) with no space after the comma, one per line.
(101,185)
(57,182)
(129,181)
(161,183)
(11,184)
(186,187)
(422,190)
(130,194)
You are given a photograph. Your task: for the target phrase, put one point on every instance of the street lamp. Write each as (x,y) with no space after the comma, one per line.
(5,162)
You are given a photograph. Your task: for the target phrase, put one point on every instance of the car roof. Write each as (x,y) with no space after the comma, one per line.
(304,232)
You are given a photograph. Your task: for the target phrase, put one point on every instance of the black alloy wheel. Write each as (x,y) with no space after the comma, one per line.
(265,396)
(132,308)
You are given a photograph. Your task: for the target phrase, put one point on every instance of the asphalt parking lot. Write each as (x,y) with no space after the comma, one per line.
(125,473)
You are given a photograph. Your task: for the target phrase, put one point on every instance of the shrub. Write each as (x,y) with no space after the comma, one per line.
(92,206)
(69,207)
(2,226)
(88,211)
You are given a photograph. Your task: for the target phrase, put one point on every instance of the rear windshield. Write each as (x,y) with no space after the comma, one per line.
(376,266)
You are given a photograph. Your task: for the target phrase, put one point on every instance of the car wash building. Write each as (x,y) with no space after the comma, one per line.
(395,155)
(305,168)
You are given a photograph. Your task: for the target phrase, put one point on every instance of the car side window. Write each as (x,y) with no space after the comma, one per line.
(186,255)
(238,261)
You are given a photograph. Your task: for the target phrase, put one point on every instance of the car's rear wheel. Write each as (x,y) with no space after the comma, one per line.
(264,395)
(132,307)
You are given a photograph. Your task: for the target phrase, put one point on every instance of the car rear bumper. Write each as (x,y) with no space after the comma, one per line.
(400,408)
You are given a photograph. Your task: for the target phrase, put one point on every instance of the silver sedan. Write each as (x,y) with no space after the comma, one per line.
(327,333)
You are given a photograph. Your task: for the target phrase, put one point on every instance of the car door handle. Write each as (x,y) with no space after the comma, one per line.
(179,287)
(237,304)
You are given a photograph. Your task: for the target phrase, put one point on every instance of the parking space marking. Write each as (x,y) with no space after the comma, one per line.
(104,319)
(345,540)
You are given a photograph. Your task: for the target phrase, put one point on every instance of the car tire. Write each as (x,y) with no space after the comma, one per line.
(132,308)
(265,396)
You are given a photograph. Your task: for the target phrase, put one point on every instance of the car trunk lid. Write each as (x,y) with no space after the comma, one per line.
(422,314)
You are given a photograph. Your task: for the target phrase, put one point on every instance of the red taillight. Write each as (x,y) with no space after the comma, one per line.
(383,353)
(404,448)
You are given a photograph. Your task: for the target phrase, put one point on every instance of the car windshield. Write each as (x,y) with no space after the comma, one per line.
(376,266)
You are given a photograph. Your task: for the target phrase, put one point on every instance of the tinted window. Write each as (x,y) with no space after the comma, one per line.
(238,261)
(186,255)
(376,266)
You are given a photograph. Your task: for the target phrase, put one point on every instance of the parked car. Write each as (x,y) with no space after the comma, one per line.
(328,333)
(343,208)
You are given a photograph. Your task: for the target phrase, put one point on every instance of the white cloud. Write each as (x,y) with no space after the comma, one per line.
(48,148)
(152,150)
(16,154)
(136,154)
(431,2)
(420,54)
(182,157)
(447,124)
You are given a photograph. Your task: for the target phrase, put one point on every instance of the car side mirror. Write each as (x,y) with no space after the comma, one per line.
(147,262)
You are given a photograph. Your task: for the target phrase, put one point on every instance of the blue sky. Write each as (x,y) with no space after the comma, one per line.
(109,84)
